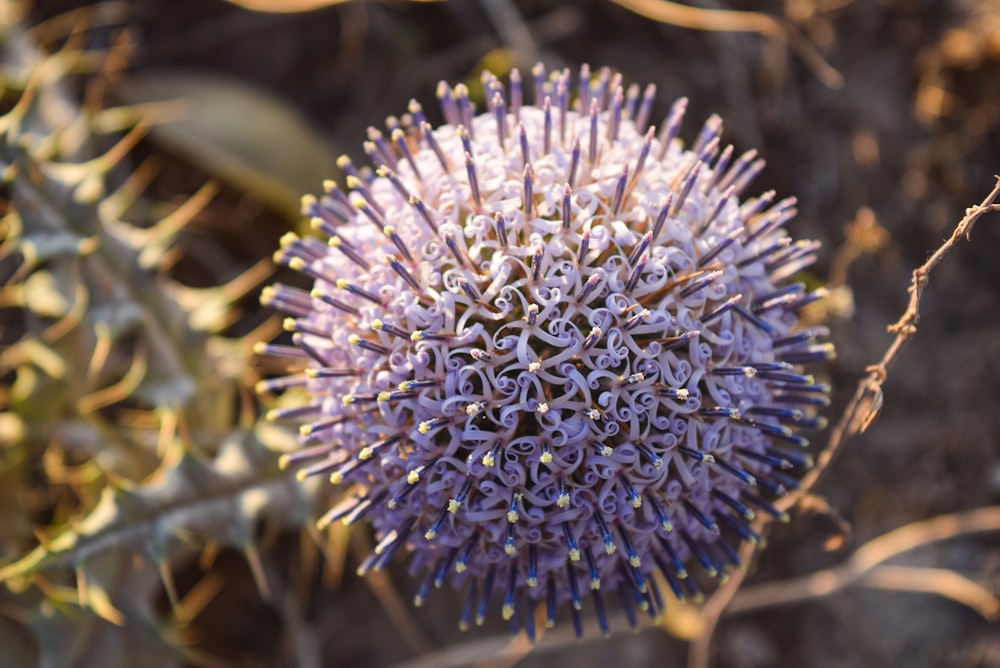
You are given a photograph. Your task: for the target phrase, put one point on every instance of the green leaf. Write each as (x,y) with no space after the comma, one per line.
(239,133)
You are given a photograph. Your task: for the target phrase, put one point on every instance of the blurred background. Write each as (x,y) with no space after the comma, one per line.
(881,116)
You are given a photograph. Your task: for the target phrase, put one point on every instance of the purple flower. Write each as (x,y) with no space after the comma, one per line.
(550,350)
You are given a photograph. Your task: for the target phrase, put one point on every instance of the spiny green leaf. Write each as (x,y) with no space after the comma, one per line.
(218,501)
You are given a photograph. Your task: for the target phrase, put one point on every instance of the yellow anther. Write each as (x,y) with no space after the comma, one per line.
(307,202)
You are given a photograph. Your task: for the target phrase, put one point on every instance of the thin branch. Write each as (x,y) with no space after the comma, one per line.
(866,403)
(861,411)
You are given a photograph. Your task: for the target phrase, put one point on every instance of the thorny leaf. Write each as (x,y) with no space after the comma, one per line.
(218,501)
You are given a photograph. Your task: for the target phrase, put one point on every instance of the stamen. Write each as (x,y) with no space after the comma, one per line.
(352,255)
(574,587)
(470,603)
(500,114)
(615,114)
(574,162)
(344,284)
(662,216)
(424,214)
(671,124)
(702,519)
(567,207)
(743,511)
(508,603)
(572,548)
(645,108)
(501,228)
(702,282)
(537,257)
(470,168)
(532,579)
(397,241)
(525,150)
(465,109)
(403,272)
(515,94)
(448,106)
(699,553)
(547,132)
(428,135)
(594,115)
(722,308)
(581,253)
(595,573)
(484,603)
(725,243)
(661,515)
(619,196)
(609,542)
(529,195)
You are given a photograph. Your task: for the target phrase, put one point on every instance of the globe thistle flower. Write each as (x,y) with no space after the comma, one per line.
(550,350)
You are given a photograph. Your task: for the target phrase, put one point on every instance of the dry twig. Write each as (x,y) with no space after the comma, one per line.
(861,411)
(867,567)
(716,20)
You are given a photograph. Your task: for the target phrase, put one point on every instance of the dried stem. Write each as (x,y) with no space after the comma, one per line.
(391,600)
(718,20)
(866,567)
(861,411)
(866,403)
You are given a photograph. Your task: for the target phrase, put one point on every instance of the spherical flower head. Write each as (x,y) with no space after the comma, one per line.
(551,350)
